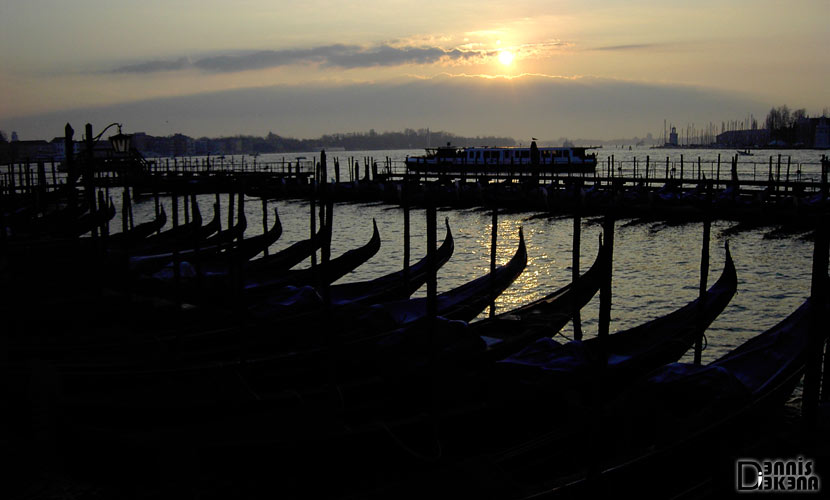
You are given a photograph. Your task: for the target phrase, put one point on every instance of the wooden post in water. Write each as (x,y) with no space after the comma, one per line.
(493,240)
(265,221)
(187,209)
(432,266)
(605,288)
(406,231)
(336,171)
(667,168)
(778,175)
(647,166)
(230,206)
(313,218)
(596,440)
(704,275)
(787,180)
(325,251)
(817,333)
(125,202)
(240,212)
(175,208)
(218,204)
(681,172)
(105,227)
(576,246)
(718,176)
(156,203)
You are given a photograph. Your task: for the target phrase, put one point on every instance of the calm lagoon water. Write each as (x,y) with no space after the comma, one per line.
(656,266)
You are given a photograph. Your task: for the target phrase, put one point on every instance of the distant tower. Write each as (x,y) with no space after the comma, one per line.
(14,136)
(673,136)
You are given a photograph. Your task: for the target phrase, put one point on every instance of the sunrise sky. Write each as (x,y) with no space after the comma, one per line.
(587,68)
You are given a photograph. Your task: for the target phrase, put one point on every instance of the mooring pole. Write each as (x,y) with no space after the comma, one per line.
(240,212)
(130,199)
(265,220)
(174,200)
(493,240)
(124,210)
(325,252)
(156,203)
(577,235)
(605,288)
(406,229)
(313,219)
(432,264)
(230,205)
(596,440)
(704,276)
(817,332)
(218,204)
(186,209)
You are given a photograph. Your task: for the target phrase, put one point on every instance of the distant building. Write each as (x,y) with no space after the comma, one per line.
(821,137)
(673,136)
(743,138)
(813,133)
(30,150)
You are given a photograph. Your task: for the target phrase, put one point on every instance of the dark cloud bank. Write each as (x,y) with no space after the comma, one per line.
(338,56)
(530,106)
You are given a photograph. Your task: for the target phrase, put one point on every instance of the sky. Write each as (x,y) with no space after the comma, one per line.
(567,68)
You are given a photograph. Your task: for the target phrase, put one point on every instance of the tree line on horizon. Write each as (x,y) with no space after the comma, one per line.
(352,141)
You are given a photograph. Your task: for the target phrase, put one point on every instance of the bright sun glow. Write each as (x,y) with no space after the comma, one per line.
(506,57)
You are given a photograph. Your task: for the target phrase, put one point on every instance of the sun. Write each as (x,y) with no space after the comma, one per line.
(506,57)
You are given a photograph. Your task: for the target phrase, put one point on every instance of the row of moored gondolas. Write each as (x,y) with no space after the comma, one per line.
(126,349)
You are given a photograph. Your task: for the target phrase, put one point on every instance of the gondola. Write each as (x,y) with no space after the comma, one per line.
(506,412)
(323,273)
(140,232)
(225,404)
(676,417)
(182,236)
(227,236)
(89,221)
(394,286)
(627,353)
(199,249)
(284,259)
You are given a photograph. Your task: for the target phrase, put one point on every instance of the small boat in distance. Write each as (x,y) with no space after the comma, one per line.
(745,152)
(553,159)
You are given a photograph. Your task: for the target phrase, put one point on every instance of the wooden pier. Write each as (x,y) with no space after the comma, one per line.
(732,189)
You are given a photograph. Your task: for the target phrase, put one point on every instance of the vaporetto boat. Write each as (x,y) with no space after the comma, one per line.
(545,159)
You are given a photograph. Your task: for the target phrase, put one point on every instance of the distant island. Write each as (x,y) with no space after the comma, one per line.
(182,145)
(782,129)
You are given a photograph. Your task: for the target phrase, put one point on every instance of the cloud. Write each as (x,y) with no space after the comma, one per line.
(338,56)
(154,66)
(533,105)
(632,46)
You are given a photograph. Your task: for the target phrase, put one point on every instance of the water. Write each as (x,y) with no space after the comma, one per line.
(656,266)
